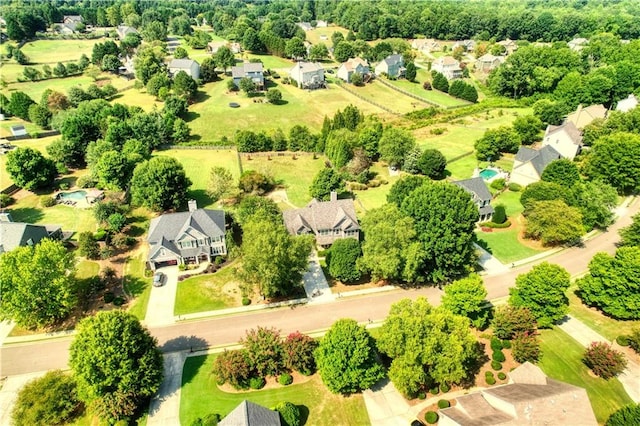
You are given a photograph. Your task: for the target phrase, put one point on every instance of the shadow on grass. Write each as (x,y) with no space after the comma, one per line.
(200,97)
(484,245)
(201,196)
(191,368)
(304,414)
(191,115)
(69,180)
(135,286)
(281,102)
(26,214)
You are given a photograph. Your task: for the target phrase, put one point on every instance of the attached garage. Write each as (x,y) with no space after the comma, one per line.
(172,262)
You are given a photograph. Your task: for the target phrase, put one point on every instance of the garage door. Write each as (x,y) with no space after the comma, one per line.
(166,263)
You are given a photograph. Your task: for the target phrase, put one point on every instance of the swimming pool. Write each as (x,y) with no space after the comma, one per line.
(487,174)
(73,196)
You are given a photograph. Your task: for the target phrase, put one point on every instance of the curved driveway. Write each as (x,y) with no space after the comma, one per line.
(44,355)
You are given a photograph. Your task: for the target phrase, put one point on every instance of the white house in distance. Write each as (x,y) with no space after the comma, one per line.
(577,44)
(626,105)
(426,45)
(509,45)
(125,30)
(392,65)
(529,164)
(352,66)
(447,66)
(488,62)
(566,139)
(467,45)
(308,75)
(582,117)
(191,67)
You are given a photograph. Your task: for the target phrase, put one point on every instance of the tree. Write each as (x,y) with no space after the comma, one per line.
(159,184)
(247,86)
(615,159)
(528,127)
(220,182)
(60,70)
(596,201)
(298,353)
(274,96)
(180,25)
(467,297)
(525,347)
(56,101)
(175,106)
(116,362)
(541,191)
(29,169)
(445,218)
(631,234)
(612,284)
(251,41)
(110,63)
(233,367)
(294,48)
(156,83)
(411,71)
(154,31)
(347,359)
(208,70)
(318,52)
(264,350)
(496,141)
(343,51)
(394,145)
(625,416)
(289,414)
(542,291)
(564,172)
(252,182)
(410,164)
(184,85)
(508,321)
(550,112)
(19,104)
(48,400)
(224,58)
(88,246)
(432,164)
(113,170)
(339,147)
(326,181)
(38,284)
(357,79)
(403,187)
(554,223)
(272,260)
(439,81)
(342,258)
(39,115)
(604,361)
(116,221)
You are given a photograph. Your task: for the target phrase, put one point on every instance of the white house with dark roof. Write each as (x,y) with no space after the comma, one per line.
(565,138)
(327,220)
(530,398)
(191,67)
(125,30)
(352,66)
(447,66)
(248,413)
(392,65)
(627,104)
(467,45)
(186,237)
(308,75)
(488,62)
(509,45)
(252,70)
(529,164)
(583,116)
(480,194)
(19,234)
(426,45)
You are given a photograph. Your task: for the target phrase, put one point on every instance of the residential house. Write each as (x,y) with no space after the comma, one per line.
(426,45)
(529,164)
(480,194)
(72,19)
(626,105)
(582,117)
(69,24)
(306,26)
(327,220)
(352,66)
(213,46)
(191,67)
(19,234)
(252,70)
(392,65)
(250,414)
(530,398)
(447,66)
(235,47)
(488,62)
(467,45)
(509,45)
(66,29)
(321,24)
(565,138)
(125,30)
(186,237)
(577,44)
(308,75)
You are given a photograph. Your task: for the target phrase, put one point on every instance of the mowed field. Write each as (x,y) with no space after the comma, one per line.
(39,144)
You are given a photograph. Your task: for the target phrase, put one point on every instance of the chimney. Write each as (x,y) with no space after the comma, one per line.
(334,196)
(193,205)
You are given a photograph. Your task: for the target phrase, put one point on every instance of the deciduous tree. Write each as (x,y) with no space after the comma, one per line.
(631,234)
(326,181)
(432,164)
(554,222)
(467,297)
(220,182)
(159,184)
(29,169)
(394,145)
(342,258)
(510,320)
(615,159)
(564,172)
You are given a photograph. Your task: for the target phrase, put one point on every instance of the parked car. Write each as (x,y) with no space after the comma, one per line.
(158,279)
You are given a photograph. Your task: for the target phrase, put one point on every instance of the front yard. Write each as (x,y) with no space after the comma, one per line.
(208,292)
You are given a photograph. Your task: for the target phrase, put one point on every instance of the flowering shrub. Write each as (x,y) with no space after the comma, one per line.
(604,361)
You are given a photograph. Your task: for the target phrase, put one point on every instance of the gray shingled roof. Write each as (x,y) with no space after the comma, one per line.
(16,234)
(240,71)
(540,159)
(183,64)
(250,414)
(574,133)
(476,186)
(337,214)
(393,59)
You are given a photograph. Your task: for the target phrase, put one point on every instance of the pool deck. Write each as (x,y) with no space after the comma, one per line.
(85,202)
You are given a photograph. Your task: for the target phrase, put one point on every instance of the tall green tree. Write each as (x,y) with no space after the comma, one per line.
(19,104)
(342,258)
(38,284)
(564,172)
(29,169)
(554,223)
(467,297)
(432,164)
(615,159)
(496,141)
(394,145)
(631,234)
(347,359)
(326,181)
(224,58)
(117,364)
(528,127)
(542,291)
(184,85)
(220,182)
(159,184)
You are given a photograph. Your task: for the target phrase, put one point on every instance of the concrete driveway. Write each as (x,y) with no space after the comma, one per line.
(163,299)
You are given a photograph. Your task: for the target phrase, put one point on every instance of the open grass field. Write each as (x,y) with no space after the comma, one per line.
(294,175)
(140,98)
(208,292)
(136,284)
(200,396)
(392,99)
(562,360)
(35,88)
(269,61)
(436,96)
(213,118)
(606,326)
(375,197)
(87,269)
(323,35)
(505,245)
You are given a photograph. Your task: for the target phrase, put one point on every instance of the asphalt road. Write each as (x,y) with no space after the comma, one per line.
(52,354)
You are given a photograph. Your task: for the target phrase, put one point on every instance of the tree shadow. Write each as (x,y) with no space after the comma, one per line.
(484,245)
(68,180)
(135,286)
(191,115)
(473,367)
(26,214)
(185,343)
(304,414)
(281,102)
(201,97)
(201,197)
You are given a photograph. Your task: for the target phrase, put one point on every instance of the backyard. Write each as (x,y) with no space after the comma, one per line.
(208,292)
(200,396)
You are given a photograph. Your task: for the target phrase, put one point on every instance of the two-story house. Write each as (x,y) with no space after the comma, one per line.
(392,65)
(191,67)
(509,45)
(308,75)
(488,62)
(252,70)
(327,220)
(566,139)
(18,234)
(352,66)
(124,30)
(426,45)
(186,237)
(529,164)
(582,116)
(447,66)
(467,45)
(480,194)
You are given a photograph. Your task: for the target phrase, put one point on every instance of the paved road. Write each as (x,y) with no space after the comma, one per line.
(44,355)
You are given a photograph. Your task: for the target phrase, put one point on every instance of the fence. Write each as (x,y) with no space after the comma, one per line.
(404,92)
(10,190)
(36,134)
(358,95)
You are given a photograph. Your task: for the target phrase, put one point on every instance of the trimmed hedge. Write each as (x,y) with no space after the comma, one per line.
(443,403)
(246,301)
(496,365)
(444,388)
(506,224)
(498,356)
(285,379)
(506,344)
(514,187)
(502,376)
(422,395)
(496,344)
(257,382)
(431,417)
(434,391)
(490,380)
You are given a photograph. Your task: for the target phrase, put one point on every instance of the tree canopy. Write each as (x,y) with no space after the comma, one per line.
(29,169)
(159,184)
(554,222)
(615,159)
(467,297)
(394,145)
(342,258)
(631,234)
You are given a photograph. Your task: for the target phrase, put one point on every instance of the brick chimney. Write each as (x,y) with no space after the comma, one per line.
(334,196)
(193,205)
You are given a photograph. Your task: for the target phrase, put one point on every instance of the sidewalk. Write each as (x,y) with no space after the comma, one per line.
(489,264)
(9,394)
(164,409)
(584,335)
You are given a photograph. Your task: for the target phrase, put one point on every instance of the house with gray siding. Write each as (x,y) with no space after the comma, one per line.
(480,194)
(251,70)
(308,75)
(392,65)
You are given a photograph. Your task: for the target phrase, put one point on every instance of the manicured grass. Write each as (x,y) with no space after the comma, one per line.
(200,396)
(562,360)
(137,285)
(436,96)
(313,36)
(505,245)
(392,99)
(455,141)
(135,97)
(207,292)
(606,326)
(54,51)
(269,61)
(35,88)
(38,144)
(87,269)
(375,197)
(511,202)
(295,175)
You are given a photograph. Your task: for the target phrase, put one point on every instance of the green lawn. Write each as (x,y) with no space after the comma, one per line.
(140,98)
(54,51)
(87,269)
(436,96)
(295,175)
(38,144)
(200,396)
(137,285)
(511,202)
(270,61)
(562,360)
(375,197)
(392,99)
(314,36)
(505,245)
(207,292)
(607,327)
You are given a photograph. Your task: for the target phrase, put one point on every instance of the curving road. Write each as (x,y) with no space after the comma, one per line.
(52,354)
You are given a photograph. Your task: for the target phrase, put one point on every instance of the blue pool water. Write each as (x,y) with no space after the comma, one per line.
(487,174)
(74,196)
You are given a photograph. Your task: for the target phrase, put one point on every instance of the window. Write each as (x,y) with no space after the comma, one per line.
(217,250)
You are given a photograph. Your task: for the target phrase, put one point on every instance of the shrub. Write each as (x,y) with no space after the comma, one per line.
(285,379)
(634,339)
(444,388)
(422,395)
(499,214)
(47,201)
(488,373)
(434,390)
(100,234)
(496,344)
(246,301)
(498,184)
(622,340)
(498,356)
(289,414)
(502,376)
(495,225)
(490,380)
(496,365)
(232,367)
(526,347)
(443,403)
(108,297)
(625,416)
(514,187)
(118,301)
(604,361)
(506,344)
(182,267)
(64,186)
(257,382)
(211,419)
(299,353)
(6,200)
(431,417)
